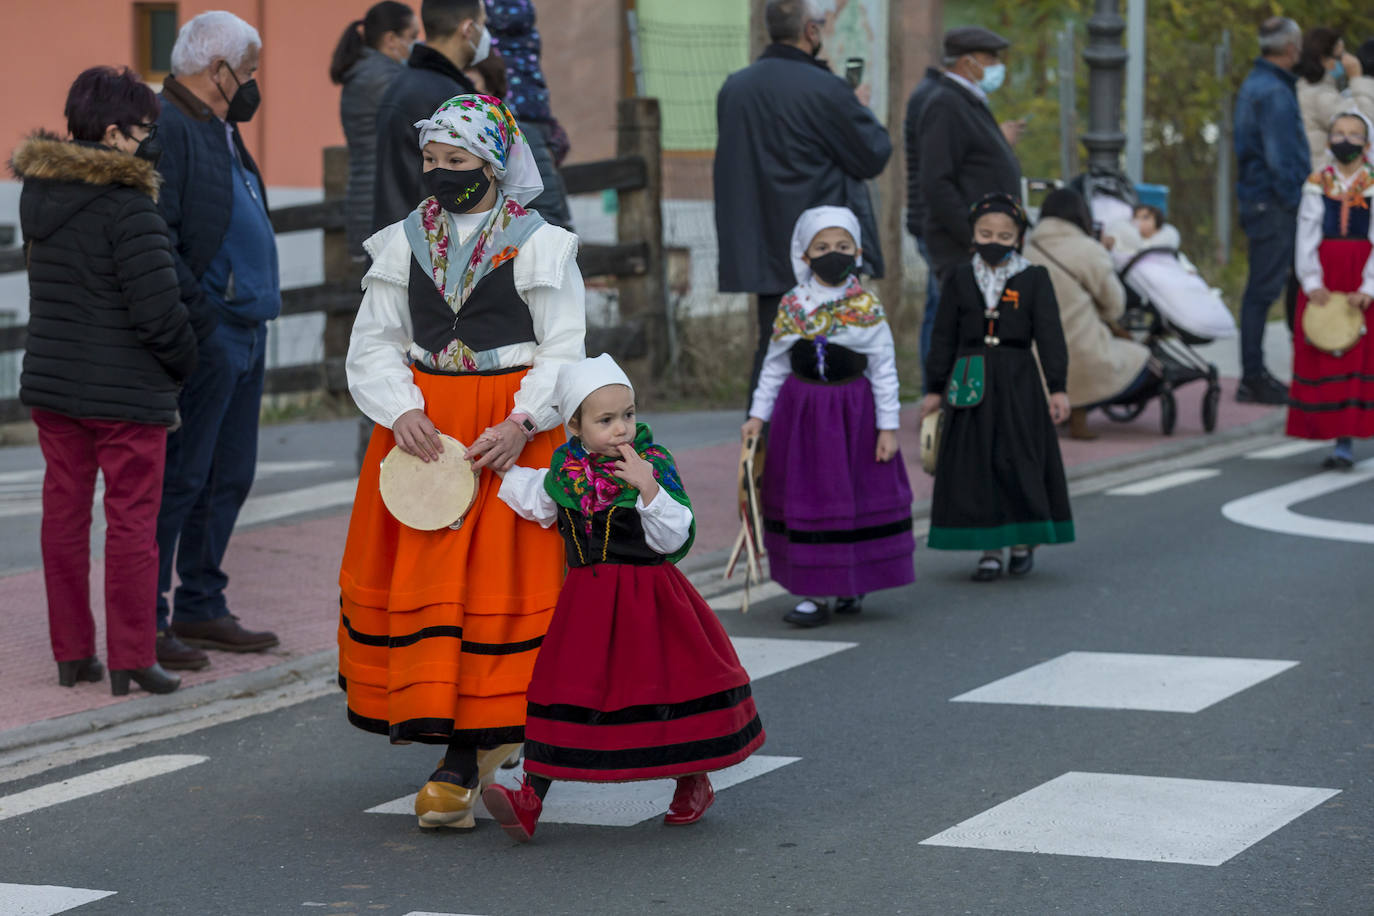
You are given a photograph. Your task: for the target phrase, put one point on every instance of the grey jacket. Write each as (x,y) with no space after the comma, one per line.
(364,85)
(792,136)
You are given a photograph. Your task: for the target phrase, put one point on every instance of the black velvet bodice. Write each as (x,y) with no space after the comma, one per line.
(622,543)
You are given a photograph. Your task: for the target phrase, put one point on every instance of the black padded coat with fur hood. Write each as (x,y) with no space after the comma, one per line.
(108,336)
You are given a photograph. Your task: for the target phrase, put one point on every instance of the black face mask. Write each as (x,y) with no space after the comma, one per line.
(993,253)
(149,148)
(457,191)
(1347,152)
(833,267)
(246,99)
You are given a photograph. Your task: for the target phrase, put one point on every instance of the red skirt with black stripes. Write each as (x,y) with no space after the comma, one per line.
(1333,396)
(637,679)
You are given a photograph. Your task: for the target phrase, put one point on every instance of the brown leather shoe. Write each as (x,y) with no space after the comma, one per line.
(175,655)
(223,633)
(1078,425)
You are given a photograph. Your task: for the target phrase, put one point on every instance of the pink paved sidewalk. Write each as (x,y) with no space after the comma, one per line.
(284,577)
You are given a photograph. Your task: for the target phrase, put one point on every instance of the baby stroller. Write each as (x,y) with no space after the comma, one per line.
(1169,318)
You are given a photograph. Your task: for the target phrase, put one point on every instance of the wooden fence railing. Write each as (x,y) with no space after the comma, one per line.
(636,267)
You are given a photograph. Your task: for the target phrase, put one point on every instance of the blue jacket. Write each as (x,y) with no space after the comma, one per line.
(1271,148)
(197,195)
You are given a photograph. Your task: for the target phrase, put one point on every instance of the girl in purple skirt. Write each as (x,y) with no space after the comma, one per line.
(836,500)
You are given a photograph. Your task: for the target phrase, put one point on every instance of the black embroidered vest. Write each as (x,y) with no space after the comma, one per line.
(622,543)
(493,316)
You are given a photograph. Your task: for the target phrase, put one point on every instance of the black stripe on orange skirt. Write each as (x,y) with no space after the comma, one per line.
(439,630)
(699,736)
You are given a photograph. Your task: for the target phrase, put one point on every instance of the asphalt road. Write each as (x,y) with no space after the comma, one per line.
(273,820)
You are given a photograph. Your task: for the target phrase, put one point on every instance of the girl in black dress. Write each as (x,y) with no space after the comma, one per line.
(999,480)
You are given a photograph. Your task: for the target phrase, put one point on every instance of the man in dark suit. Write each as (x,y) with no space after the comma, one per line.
(456,38)
(964,152)
(792,135)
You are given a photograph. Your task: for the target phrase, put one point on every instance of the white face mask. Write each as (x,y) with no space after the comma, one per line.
(482,50)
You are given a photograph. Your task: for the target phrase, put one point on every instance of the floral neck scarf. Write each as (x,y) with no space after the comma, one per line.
(585,483)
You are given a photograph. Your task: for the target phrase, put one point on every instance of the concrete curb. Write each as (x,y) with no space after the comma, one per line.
(323,665)
(312,667)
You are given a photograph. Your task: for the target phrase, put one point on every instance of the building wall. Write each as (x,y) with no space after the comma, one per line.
(584,66)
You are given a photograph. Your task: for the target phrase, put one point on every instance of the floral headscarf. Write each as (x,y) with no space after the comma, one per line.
(585,483)
(484,126)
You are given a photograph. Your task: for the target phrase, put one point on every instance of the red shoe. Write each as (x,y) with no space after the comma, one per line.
(693,796)
(517,812)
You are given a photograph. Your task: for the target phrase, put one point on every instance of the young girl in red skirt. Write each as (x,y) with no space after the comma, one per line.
(1332,395)
(636,678)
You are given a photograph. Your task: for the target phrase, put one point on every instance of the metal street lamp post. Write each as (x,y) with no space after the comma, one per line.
(1106,75)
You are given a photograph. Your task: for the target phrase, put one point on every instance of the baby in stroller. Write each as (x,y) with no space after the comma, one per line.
(1147,252)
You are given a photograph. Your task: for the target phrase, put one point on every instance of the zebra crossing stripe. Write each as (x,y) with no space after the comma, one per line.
(123,774)
(45,899)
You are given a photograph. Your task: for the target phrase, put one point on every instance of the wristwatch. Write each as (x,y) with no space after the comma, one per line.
(525,424)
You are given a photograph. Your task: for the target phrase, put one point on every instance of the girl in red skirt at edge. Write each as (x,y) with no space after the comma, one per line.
(636,678)
(1332,397)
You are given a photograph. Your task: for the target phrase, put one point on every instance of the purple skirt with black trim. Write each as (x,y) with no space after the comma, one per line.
(836,521)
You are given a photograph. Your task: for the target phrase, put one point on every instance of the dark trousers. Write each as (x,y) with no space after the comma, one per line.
(767,313)
(1272,233)
(932,300)
(210,465)
(131,456)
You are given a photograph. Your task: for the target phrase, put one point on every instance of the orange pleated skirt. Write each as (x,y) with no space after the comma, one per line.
(439,630)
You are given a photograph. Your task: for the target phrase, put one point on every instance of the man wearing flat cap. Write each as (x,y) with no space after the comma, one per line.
(964,152)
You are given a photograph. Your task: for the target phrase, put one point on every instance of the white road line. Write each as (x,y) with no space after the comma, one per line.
(269,508)
(1164,482)
(45,899)
(764,656)
(35,799)
(1269,509)
(1286,450)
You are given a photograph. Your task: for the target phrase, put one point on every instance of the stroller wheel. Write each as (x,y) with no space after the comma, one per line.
(1123,413)
(1168,411)
(1210,402)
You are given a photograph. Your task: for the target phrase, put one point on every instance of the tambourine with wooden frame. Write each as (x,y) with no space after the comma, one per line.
(1334,327)
(429,495)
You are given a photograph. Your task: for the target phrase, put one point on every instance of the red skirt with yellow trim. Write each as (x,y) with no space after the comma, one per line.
(1333,396)
(439,630)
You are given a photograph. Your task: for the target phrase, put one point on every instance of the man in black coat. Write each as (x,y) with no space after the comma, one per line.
(915,200)
(792,136)
(456,38)
(964,152)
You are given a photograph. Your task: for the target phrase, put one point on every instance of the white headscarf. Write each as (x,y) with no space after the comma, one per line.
(578,380)
(812,222)
(1352,112)
(484,126)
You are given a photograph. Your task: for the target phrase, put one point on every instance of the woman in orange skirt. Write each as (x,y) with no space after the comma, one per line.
(471,305)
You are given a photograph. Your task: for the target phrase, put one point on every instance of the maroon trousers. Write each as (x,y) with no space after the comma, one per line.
(131,456)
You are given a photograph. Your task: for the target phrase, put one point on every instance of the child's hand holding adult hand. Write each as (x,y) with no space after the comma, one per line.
(498,446)
(637,472)
(887,445)
(416,435)
(752,428)
(929,404)
(1059,407)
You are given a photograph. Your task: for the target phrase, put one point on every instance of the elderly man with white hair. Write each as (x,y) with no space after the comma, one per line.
(215,204)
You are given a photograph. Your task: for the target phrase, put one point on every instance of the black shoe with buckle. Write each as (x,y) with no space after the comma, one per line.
(175,655)
(223,633)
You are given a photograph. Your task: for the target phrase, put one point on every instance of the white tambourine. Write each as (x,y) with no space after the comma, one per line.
(429,495)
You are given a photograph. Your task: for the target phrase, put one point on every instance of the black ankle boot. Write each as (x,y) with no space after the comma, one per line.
(83,669)
(152,679)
